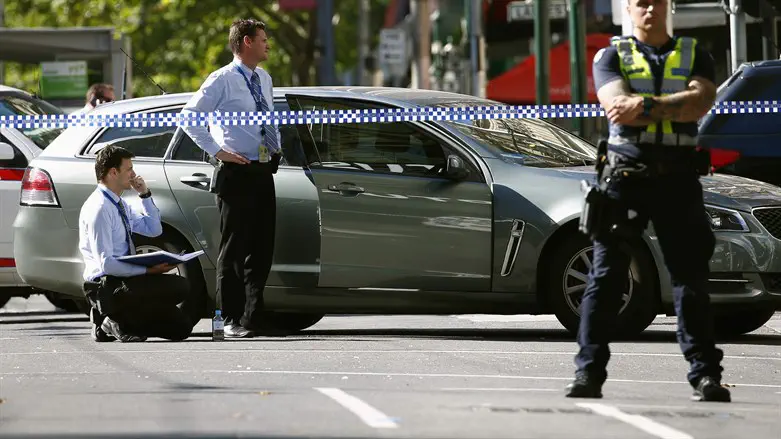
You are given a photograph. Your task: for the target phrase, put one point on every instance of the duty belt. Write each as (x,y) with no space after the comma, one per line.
(672,139)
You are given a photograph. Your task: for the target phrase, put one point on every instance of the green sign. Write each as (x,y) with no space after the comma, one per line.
(64,79)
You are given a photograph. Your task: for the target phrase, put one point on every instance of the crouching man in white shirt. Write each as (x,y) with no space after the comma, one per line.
(129,302)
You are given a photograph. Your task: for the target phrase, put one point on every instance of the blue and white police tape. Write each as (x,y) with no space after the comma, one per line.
(421,114)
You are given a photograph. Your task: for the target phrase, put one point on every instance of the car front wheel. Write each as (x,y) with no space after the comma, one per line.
(568,276)
(741,321)
(288,321)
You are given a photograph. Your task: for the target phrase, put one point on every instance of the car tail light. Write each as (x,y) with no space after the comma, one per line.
(37,189)
(7,263)
(720,158)
(9,174)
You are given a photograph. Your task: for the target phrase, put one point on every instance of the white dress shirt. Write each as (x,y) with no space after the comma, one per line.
(226,91)
(103,237)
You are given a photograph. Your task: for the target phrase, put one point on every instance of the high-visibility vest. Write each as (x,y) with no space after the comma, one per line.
(677,73)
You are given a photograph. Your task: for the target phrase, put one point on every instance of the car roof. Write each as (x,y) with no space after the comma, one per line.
(4,89)
(400,97)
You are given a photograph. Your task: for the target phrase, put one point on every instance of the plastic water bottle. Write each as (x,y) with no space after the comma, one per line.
(218,326)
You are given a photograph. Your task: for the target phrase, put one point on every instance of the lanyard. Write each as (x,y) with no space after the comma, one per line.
(258,105)
(125,220)
(249,86)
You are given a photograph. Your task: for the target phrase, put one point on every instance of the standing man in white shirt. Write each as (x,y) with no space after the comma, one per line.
(129,302)
(249,156)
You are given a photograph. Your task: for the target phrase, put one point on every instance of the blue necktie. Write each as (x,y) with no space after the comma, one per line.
(129,233)
(271,134)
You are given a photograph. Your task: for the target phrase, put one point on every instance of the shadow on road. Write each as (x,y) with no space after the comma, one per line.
(181,435)
(515,334)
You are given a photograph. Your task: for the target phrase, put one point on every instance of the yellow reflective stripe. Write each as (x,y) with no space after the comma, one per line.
(670,86)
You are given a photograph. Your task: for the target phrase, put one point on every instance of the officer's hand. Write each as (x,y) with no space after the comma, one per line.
(230,157)
(625,109)
(139,184)
(160,268)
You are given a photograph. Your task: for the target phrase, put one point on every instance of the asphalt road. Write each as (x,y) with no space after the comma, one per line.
(380,376)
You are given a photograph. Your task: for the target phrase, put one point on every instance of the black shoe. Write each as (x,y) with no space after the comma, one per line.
(111,327)
(98,334)
(710,389)
(584,386)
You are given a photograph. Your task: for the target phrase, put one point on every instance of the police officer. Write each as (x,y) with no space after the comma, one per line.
(248,157)
(653,88)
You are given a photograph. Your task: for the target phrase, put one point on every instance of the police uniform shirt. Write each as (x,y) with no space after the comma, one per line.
(226,90)
(607,68)
(103,236)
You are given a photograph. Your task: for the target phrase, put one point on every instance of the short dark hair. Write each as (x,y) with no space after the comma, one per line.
(108,158)
(98,91)
(243,28)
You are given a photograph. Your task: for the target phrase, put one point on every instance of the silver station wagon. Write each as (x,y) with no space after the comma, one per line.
(473,217)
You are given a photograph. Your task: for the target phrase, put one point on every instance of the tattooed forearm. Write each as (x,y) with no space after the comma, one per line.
(686,106)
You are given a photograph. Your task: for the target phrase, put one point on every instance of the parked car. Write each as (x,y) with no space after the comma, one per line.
(19,146)
(747,144)
(405,217)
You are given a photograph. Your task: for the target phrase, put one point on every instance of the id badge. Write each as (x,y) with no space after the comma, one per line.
(262,153)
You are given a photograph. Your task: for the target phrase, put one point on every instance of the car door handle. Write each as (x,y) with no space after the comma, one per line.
(345,187)
(197,180)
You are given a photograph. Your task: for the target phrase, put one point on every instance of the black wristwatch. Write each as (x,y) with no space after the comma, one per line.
(648,105)
(146,195)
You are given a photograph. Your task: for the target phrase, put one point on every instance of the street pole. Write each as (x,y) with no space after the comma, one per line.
(737,34)
(424,45)
(2,25)
(542,51)
(327,65)
(476,48)
(363,41)
(577,55)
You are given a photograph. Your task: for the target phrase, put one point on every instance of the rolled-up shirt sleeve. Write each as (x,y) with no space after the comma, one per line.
(102,245)
(205,100)
(146,221)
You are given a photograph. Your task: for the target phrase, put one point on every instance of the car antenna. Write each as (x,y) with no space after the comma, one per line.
(142,71)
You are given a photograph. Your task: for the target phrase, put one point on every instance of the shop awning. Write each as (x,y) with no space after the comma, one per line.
(518,85)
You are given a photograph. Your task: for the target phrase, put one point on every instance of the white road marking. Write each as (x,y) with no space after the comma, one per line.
(8,338)
(382,374)
(497,389)
(368,414)
(647,425)
(371,351)
(707,408)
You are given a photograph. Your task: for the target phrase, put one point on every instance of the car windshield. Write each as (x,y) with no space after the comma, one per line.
(530,142)
(11,105)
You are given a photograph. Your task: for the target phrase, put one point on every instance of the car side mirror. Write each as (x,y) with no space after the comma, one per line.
(6,151)
(456,168)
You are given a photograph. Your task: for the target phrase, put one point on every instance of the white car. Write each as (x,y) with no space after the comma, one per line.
(18,147)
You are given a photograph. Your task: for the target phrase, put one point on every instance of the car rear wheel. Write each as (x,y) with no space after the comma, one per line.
(742,321)
(195,306)
(568,276)
(61,302)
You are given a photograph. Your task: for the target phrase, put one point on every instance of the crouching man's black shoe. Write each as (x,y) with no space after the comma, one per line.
(584,386)
(710,389)
(98,334)
(112,328)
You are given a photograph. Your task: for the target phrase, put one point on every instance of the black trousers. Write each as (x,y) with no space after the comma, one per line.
(143,305)
(674,204)
(247,203)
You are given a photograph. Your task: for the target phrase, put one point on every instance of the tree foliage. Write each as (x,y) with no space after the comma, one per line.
(178,42)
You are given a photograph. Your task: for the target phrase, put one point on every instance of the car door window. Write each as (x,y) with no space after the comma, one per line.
(392,147)
(144,142)
(292,151)
(19,161)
